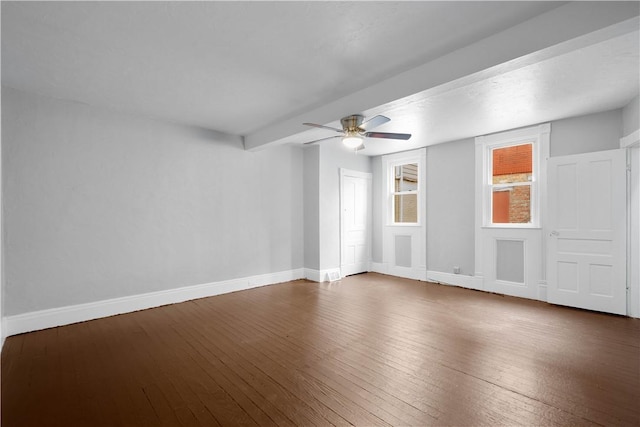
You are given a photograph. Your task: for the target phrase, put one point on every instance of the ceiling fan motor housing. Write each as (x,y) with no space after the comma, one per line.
(351,124)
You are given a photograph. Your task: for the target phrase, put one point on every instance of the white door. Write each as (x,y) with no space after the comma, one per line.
(355,222)
(586,237)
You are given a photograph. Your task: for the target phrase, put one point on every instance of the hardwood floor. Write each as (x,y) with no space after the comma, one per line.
(369,350)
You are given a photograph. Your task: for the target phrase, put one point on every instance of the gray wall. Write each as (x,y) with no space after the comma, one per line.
(450,200)
(322,164)
(450,206)
(451,193)
(631,116)
(585,134)
(311,178)
(99,205)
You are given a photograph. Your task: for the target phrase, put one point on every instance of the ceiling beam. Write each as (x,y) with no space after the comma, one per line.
(561,30)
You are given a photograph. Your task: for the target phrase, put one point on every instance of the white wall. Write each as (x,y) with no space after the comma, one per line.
(100,205)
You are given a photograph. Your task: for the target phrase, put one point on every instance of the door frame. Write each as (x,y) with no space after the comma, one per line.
(369,177)
(417,232)
(631,143)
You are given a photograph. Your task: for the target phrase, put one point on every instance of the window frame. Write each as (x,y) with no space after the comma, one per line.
(395,193)
(538,137)
(410,158)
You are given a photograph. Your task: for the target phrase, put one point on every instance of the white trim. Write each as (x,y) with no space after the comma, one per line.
(417,156)
(418,273)
(354,173)
(313,275)
(538,136)
(368,176)
(320,275)
(473,282)
(3,332)
(462,280)
(379,267)
(418,231)
(415,273)
(542,290)
(631,140)
(486,232)
(631,144)
(60,316)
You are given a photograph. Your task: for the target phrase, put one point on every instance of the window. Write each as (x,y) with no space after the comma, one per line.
(510,177)
(405,193)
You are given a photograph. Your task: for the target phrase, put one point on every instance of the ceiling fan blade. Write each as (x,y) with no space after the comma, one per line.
(387,135)
(323,127)
(321,139)
(374,122)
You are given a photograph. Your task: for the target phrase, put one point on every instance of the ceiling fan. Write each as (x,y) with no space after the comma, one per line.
(355,129)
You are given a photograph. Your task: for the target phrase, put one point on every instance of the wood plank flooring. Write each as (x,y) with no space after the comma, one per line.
(369,350)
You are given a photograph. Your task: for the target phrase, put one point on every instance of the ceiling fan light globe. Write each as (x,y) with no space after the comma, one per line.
(352,141)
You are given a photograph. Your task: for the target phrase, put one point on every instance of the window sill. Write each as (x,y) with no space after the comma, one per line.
(513,227)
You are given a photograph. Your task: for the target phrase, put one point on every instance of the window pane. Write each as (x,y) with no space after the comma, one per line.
(406,177)
(405,208)
(512,164)
(512,205)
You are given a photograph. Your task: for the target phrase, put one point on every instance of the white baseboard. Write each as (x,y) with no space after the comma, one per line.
(379,267)
(319,275)
(313,275)
(418,273)
(51,318)
(542,290)
(462,280)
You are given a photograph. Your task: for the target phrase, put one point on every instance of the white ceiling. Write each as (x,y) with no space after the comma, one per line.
(600,77)
(245,68)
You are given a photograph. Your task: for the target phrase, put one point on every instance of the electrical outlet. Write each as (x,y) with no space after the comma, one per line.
(456,270)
